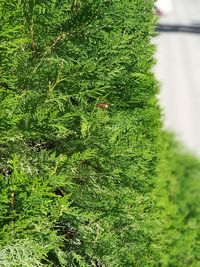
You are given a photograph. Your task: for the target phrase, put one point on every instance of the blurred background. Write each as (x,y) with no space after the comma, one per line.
(178,68)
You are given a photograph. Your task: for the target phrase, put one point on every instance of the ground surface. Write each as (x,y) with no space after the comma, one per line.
(178,70)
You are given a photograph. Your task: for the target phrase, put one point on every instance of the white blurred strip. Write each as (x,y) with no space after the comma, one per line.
(164,6)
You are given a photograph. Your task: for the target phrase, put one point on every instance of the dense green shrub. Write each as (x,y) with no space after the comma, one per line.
(79,130)
(83,182)
(183,185)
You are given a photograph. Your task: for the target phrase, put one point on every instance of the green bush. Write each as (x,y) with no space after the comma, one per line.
(83,181)
(183,184)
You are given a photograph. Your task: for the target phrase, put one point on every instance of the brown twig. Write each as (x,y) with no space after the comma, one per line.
(56,40)
(33,44)
(75,6)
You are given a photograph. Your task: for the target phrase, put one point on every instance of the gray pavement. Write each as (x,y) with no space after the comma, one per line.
(178,70)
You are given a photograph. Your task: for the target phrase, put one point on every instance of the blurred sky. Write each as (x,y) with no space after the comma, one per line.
(178,70)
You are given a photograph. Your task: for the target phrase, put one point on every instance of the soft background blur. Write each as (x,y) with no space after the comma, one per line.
(178,70)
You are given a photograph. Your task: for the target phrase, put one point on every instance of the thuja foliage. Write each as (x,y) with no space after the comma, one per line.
(83,182)
(183,185)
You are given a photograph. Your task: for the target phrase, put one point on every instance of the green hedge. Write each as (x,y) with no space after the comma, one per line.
(183,185)
(83,181)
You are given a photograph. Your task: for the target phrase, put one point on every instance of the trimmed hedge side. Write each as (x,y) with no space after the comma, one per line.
(86,178)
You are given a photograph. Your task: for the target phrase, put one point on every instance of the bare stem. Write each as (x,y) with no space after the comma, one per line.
(55,41)
(33,44)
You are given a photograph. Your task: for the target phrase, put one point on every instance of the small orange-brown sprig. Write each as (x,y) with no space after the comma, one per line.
(102,105)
